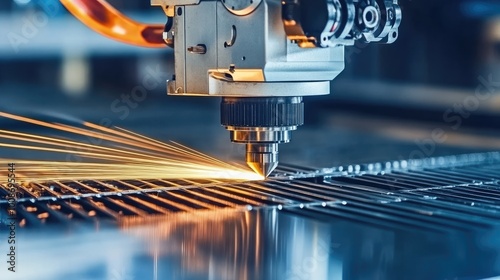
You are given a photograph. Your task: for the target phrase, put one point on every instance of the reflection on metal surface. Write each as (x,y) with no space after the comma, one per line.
(197,237)
(239,245)
(264,244)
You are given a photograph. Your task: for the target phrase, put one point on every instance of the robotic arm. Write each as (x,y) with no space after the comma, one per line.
(263,56)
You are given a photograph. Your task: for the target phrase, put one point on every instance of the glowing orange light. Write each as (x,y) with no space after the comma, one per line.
(101,17)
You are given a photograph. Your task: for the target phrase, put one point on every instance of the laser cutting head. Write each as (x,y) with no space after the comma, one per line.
(263,56)
(260,56)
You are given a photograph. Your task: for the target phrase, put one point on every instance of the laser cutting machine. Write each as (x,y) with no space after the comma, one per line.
(369,189)
(260,56)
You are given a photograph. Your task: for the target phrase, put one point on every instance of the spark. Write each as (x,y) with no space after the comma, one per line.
(112,154)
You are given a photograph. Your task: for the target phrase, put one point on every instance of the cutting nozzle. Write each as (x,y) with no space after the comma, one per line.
(262,158)
(262,123)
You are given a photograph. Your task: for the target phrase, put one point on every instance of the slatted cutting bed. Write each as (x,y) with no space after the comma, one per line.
(455,192)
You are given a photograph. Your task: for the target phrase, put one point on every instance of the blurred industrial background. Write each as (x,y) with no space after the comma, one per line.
(435,92)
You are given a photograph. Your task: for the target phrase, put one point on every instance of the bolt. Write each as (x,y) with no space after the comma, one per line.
(198,49)
(391,14)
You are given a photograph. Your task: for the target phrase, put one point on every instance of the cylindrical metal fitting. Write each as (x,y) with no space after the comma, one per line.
(262,153)
(262,124)
(262,111)
(261,134)
(262,158)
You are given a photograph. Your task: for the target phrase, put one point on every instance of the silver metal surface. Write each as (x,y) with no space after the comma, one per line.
(241,7)
(250,41)
(264,244)
(261,134)
(262,145)
(258,51)
(262,157)
(220,87)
